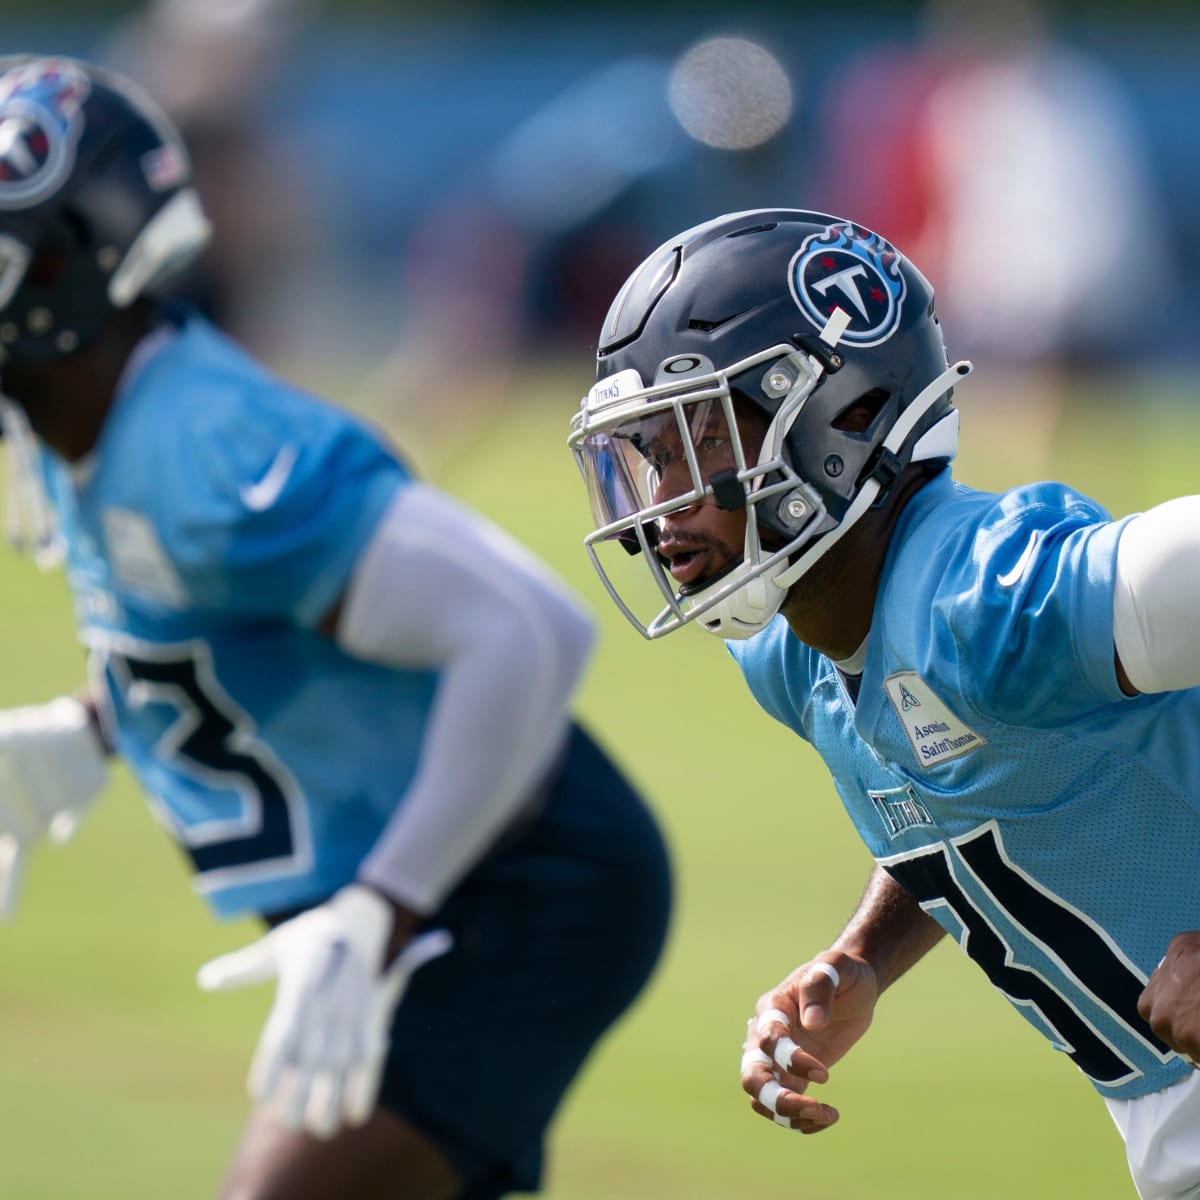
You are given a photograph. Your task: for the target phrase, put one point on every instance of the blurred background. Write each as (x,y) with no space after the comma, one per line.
(423,211)
(421,196)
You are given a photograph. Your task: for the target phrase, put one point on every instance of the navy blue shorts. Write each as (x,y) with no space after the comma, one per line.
(555,935)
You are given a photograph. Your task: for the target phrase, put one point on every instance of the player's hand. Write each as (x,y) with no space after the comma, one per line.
(1171,1002)
(52,766)
(801,1028)
(321,1052)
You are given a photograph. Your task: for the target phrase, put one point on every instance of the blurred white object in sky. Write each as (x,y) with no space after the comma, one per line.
(730,93)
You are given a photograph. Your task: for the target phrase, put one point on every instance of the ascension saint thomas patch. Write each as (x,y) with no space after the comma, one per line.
(934,732)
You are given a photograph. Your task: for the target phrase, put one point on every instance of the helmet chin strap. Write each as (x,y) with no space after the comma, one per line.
(749,609)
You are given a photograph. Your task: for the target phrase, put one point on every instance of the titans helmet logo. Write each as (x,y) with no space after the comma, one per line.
(39,126)
(855,270)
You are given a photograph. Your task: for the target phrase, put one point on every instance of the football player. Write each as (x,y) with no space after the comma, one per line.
(1002,686)
(347,695)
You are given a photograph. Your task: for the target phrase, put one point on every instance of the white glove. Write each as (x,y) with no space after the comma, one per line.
(320,1056)
(52,765)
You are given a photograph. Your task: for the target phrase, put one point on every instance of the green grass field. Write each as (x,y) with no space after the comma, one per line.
(120,1081)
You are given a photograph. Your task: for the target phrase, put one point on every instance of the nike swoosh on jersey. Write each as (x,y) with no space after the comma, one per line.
(261,495)
(1011,577)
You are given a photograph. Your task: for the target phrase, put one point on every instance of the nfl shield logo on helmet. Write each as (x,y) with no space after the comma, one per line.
(855,270)
(39,125)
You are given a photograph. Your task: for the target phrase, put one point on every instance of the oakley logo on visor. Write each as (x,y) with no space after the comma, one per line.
(852,269)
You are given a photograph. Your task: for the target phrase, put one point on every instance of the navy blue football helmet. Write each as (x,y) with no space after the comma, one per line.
(816,324)
(96,203)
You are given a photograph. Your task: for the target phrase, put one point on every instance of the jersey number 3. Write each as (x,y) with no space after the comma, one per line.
(212,743)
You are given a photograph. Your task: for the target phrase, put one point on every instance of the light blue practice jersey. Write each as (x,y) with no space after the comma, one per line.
(216,526)
(993,766)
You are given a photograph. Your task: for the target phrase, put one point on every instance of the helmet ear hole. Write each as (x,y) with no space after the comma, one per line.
(859,415)
(49,265)
(53,256)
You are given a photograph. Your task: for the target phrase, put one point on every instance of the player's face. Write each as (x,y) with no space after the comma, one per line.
(699,542)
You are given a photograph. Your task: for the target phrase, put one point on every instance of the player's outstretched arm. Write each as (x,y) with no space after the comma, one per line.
(52,766)
(802,1027)
(1171,1002)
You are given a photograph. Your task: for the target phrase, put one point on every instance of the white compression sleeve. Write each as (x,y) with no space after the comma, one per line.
(1155,601)
(439,587)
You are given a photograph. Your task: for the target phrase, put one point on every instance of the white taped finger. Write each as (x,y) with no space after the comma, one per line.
(754,1057)
(770,1095)
(825,969)
(783,1053)
(786,1122)
(773,1016)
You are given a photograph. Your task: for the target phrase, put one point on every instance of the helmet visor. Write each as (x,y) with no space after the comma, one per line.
(660,457)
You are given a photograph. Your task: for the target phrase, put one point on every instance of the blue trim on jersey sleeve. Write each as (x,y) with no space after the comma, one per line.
(1095,648)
